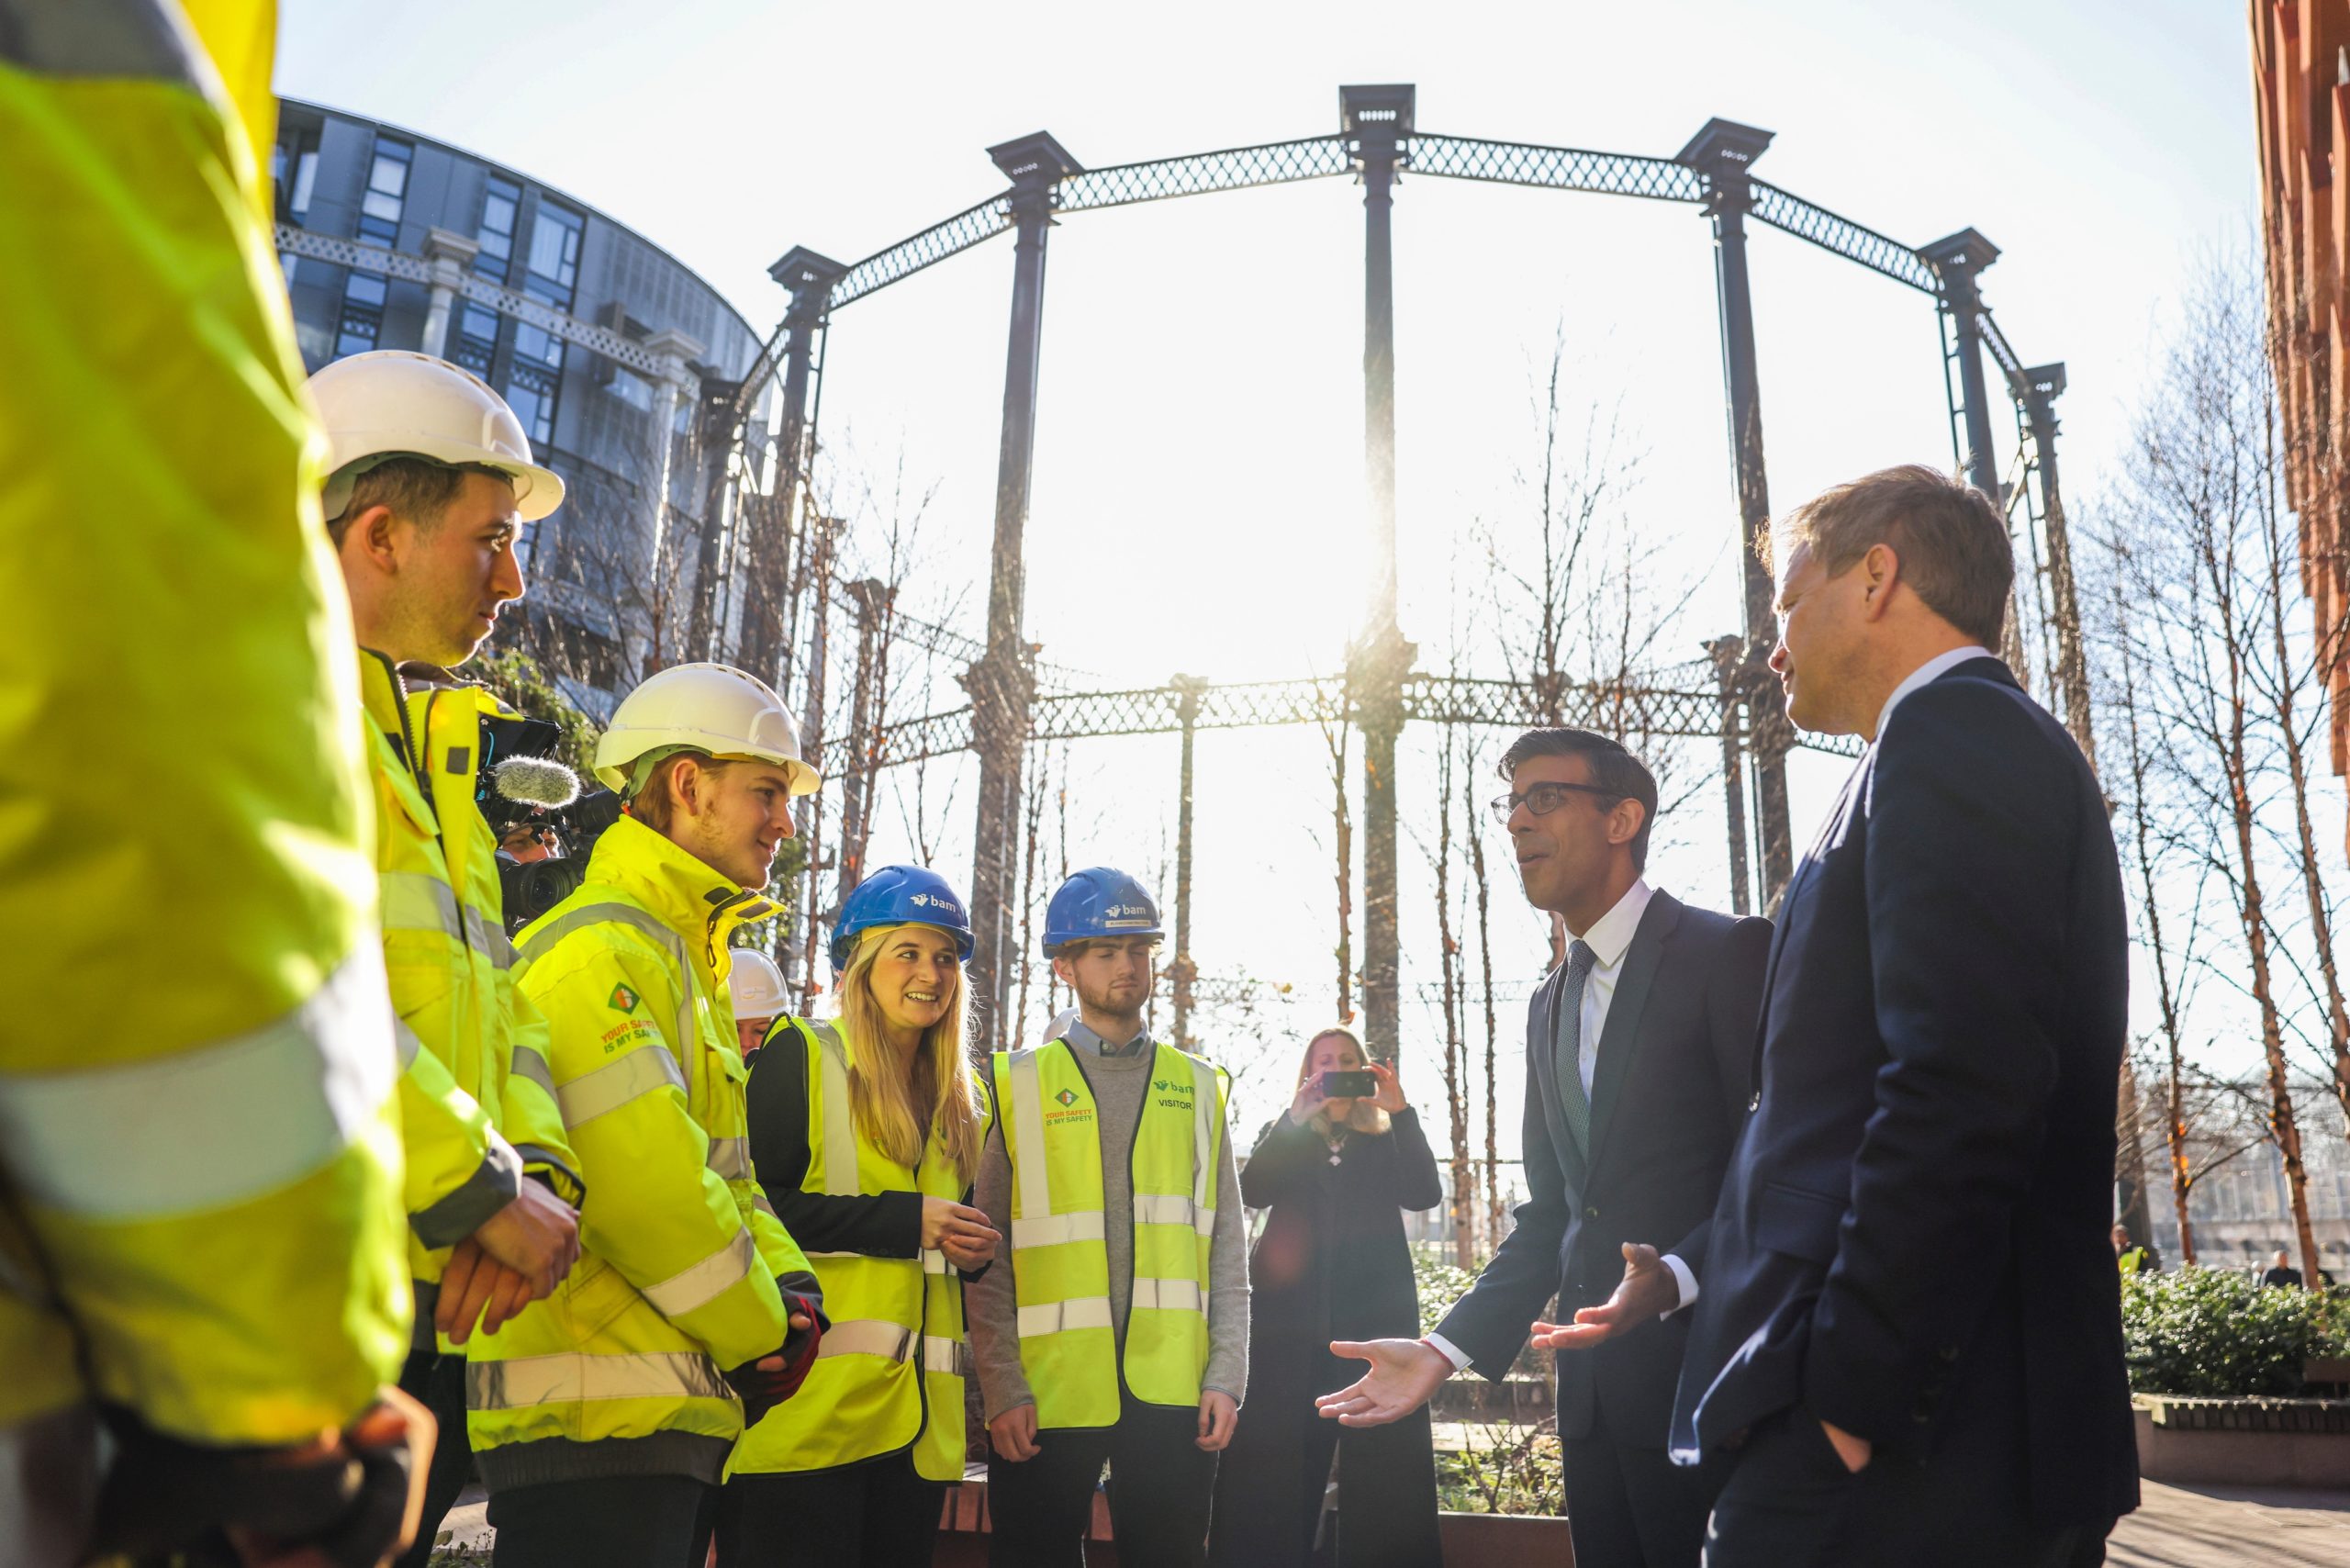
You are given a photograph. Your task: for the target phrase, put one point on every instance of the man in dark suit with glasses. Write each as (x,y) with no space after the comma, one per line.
(1639,1050)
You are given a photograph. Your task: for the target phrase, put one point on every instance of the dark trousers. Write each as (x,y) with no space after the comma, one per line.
(1161,1483)
(879,1514)
(1788,1502)
(1630,1507)
(438,1382)
(609,1521)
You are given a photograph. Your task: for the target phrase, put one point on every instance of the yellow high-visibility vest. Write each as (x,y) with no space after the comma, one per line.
(477,1101)
(680,1251)
(201,1163)
(1061,1264)
(889,1372)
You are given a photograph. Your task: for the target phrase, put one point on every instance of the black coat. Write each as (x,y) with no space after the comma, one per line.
(1912,1239)
(1332,1264)
(1668,1094)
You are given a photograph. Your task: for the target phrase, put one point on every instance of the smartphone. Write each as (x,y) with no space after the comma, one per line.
(1348,1085)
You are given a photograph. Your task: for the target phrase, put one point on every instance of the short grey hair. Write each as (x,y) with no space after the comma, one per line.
(1951,541)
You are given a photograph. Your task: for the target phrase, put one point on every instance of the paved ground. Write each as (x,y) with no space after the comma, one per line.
(2233,1527)
(2179,1527)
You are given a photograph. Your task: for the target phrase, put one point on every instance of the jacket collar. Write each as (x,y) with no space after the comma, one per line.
(681,891)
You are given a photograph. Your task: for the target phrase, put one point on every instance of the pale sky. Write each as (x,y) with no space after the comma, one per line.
(1198,502)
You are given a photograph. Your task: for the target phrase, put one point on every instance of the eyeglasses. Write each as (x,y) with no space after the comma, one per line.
(1544,798)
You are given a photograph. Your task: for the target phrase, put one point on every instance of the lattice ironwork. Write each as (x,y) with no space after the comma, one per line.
(1555,168)
(1236,168)
(968,227)
(336,251)
(1646,708)
(1878,252)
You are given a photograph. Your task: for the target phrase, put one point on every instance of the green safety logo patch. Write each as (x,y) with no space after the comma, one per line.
(623,1000)
(1066,1097)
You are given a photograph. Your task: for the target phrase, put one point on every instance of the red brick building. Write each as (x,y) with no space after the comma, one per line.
(2300,69)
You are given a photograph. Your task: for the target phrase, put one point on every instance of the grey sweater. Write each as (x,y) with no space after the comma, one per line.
(1119,1078)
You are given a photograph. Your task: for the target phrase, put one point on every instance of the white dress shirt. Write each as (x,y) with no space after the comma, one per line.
(1933,669)
(1609,939)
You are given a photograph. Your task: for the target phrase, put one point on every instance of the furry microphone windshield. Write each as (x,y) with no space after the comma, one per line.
(535,781)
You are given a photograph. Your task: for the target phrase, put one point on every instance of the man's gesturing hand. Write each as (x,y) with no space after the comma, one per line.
(1404,1373)
(1219,1415)
(1013,1434)
(1647,1292)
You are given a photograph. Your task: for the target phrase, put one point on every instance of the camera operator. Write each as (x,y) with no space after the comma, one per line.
(1338,1171)
(432,479)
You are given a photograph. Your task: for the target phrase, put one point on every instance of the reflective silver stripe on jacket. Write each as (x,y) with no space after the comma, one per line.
(1052,1230)
(689,1288)
(951,1357)
(866,1336)
(216,1125)
(1173,1208)
(562,1378)
(1080,1312)
(1028,1164)
(645,1070)
(406,1043)
(528,1063)
(933,1260)
(1168,1295)
(543,940)
(417,900)
(838,1156)
(730,1157)
(1204,1118)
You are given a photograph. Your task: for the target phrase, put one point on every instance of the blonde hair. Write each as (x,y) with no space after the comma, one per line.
(653,804)
(900,1103)
(1363,1116)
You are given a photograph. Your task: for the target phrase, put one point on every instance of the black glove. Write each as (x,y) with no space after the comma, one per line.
(356,1503)
(762,1390)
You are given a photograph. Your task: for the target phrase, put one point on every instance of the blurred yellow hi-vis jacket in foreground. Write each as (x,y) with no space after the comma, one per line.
(200,1215)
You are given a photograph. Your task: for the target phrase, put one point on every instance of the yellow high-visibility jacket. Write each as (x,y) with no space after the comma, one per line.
(477,1102)
(681,1256)
(198,1138)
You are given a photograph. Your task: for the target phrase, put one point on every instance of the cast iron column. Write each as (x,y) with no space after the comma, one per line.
(1002,682)
(1183,972)
(1723,152)
(872,598)
(1377,121)
(1959,258)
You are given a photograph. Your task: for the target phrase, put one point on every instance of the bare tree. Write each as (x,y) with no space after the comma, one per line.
(2190,547)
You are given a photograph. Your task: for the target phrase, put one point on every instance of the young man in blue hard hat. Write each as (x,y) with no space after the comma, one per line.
(1114,1327)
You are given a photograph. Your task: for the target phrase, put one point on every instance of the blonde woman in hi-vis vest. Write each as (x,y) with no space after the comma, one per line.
(865,1133)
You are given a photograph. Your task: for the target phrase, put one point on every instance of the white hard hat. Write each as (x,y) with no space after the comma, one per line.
(708,708)
(756,984)
(391,402)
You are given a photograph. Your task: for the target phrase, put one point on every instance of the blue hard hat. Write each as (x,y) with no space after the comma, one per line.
(900,895)
(1099,903)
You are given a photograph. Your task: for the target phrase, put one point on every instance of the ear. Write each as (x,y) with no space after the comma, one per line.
(1880,573)
(1064,970)
(685,786)
(374,536)
(1624,820)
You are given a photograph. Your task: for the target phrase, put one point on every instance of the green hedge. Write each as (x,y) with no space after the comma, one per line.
(2212,1333)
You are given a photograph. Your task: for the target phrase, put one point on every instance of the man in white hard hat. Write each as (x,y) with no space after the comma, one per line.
(601,1420)
(429,480)
(756,989)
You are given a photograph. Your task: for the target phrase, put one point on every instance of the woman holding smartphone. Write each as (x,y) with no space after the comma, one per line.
(865,1131)
(1338,1171)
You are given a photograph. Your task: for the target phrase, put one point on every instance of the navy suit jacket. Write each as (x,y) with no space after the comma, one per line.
(1912,1239)
(1669,1091)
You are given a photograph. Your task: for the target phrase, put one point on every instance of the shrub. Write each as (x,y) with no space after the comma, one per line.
(2212,1333)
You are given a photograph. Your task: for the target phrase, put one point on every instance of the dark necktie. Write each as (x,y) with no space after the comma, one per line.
(1577,1104)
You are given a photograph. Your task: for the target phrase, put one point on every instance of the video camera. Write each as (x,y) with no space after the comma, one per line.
(522,787)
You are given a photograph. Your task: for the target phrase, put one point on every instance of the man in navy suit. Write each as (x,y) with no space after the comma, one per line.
(1639,1051)
(1907,1338)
